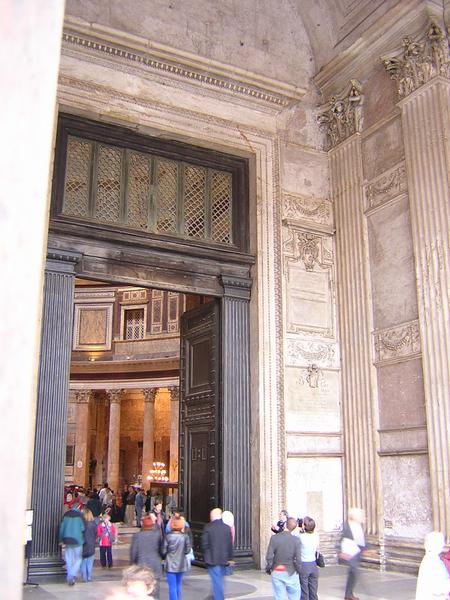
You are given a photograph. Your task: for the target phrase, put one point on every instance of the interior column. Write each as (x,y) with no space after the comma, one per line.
(81,471)
(100,441)
(174,431)
(51,416)
(149,433)
(115,398)
(236,490)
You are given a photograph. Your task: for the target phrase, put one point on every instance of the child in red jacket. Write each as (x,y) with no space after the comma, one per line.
(106,534)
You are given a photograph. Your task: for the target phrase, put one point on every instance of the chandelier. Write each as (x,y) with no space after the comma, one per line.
(158,473)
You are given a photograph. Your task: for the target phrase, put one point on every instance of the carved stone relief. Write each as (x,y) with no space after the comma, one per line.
(390,184)
(397,343)
(343,116)
(418,61)
(303,353)
(308,209)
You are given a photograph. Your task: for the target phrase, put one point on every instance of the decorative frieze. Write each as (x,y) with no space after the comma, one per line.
(305,353)
(418,61)
(308,209)
(388,185)
(311,249)
(343,116)
(397,343)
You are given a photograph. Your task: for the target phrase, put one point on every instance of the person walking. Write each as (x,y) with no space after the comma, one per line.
(146,549)
(71,536)
(217,549)
(139,504)
(176,546)
(433,579)
(106,532)
(90,537)
(309,572)
(352,545)
(283,562)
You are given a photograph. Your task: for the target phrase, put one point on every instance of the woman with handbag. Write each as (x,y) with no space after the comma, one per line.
(176,546)
(309,573)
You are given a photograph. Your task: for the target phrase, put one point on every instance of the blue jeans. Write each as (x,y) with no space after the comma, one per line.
(282,582)
(217,572)
(86,567)
(175,581)
(72,557)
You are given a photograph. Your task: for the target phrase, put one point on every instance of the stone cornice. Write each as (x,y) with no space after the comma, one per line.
(176,64)
(410,16)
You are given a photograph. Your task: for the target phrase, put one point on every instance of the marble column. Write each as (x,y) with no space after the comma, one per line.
(236,466)
(115,398)
(149,433)
(342,124)
(81,470)
(51,416)
(174,431)
(422,73)
(100,439)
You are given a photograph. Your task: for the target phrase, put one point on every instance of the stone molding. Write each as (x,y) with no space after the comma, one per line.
(386,187)
(174,391)
(236,287)
(394,344)
(122,385)
(150,394)
(418,61)
(309,211)
(303,353)
(138,53)
(343,115)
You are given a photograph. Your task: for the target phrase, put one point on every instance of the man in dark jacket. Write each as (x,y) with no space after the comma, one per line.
(217,549)
(283,562)
(71,536)
(146,549)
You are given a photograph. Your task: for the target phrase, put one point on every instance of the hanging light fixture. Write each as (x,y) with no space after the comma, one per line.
(158,472)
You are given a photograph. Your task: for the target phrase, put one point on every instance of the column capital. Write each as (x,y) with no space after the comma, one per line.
(114,396)
(236,287)
(62,261)
(150,394)
(83,396)
(174,391)
(343,115)
(419,60)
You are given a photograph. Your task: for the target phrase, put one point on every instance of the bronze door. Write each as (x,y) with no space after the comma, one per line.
(200,425)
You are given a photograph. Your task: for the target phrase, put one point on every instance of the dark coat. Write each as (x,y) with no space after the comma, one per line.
(90,537)
(217,543)
(95,506)
(146,550)
(175,547)
(284,549)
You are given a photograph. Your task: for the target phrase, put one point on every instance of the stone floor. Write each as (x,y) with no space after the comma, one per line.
(253,585)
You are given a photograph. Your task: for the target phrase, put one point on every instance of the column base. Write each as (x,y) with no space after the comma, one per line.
(49,568)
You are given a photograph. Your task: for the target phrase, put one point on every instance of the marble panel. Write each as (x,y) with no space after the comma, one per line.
(406,496)
(403,440)
(382,149)
(300,443)
(312,400)
(379,99)
(304,172)
(401,395)
(314,488)
(235,33)
(392,264)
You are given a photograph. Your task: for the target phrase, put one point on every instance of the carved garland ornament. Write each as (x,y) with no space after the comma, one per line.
(397,342)
(307,208)
(419,61)
(386,186)
(343,118)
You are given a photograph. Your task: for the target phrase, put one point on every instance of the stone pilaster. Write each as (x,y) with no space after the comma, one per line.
(51,416)
(115,398)
(236,408)
(81,471)
(148,453)
(174,431)
(426,130)
(100,441)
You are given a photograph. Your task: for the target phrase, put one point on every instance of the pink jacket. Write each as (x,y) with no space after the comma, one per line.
(106,532)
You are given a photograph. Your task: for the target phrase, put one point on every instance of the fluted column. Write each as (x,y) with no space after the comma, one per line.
(100,441)
(51,415)
(149,433)
(360,458)
(115,397)
(426,130)
(81,472)
(174,431)
(237,493)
